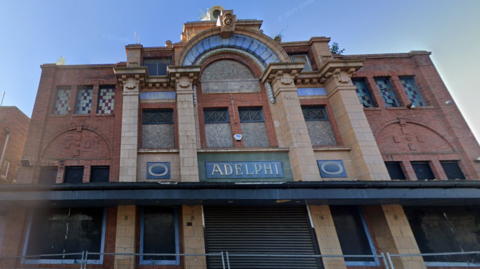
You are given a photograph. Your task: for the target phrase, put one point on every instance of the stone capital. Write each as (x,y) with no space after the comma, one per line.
(130,77)
(340,70)
(183,77)
(282,72)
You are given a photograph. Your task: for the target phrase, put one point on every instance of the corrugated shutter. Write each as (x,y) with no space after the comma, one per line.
(260,230)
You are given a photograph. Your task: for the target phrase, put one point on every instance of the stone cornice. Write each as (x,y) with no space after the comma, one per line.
(274,70)
(138,73)
(305,43)
(334,67)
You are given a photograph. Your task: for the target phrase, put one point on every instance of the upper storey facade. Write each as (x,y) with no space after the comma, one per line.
(229,103)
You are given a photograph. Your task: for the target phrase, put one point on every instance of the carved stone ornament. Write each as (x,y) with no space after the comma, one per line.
(184,82)
(131,84)
(226,21)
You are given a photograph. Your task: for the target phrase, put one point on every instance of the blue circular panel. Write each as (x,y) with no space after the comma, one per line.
(332,168)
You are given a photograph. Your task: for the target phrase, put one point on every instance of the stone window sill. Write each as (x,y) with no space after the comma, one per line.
(331,148)
(81,115)
(211,150)
(372,108)
(158,151)
(105,115)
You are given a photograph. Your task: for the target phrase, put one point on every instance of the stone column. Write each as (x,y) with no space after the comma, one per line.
(351,120)
(289,112)
(327,237)
(184,78)
(193,236)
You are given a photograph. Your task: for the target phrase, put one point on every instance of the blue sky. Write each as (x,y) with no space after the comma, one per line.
(95,32)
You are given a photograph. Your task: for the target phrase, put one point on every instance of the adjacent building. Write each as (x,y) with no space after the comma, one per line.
(232,141)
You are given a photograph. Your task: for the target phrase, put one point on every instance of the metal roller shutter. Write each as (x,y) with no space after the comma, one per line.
(260,230)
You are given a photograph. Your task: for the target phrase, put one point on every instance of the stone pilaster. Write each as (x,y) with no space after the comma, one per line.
(351,120)
(393,234)
(292,123)
(184,77)
(125,237)
(193,236)
(327,237)
(129,139)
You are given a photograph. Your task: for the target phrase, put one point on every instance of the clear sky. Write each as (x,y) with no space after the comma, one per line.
(96,32)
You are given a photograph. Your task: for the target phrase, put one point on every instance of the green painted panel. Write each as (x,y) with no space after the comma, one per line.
(282,157)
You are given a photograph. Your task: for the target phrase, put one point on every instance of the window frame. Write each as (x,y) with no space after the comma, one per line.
(63,261)
(71,166)
(262,117)
(368,91)
(54,107)
(402,169)
(392,89)
(102,87)
(307,61)
(75,111)
(157,61)
(414,82)
(323,107)
(457,162)
(429,163)
(376,261)
(177,242)
(99,167)
(157,111)
(227,120)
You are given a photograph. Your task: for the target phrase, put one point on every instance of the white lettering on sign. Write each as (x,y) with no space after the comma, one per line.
(261,169)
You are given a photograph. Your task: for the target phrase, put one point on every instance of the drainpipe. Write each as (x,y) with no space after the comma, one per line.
(4,147)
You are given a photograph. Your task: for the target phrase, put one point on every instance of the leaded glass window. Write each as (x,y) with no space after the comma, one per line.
(251,115)
(412,91)
(157,117)
(314,113)
(216,116)
(388,93)
(84,101)
(61,101)
(363,93)
(106,100)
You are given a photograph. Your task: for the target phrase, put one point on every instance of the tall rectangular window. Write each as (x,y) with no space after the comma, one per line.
(353,235)
(217,128)
(318,126)
(65,230)
(423,170)
(452,170)
(158,130)
(73,174)
(62,99)
(395,170)
(106,100)
(159,234)
(412,91)
(83,103)
(363,93)
(388,93)
(302,58)
(253,126)
(157,67)
(99,174)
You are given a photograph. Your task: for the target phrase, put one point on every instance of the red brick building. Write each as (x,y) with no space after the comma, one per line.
(231,141)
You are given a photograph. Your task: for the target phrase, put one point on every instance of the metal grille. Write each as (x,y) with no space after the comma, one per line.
(216,116)
(254,230)
(158,117)
(251,115)
(314,113)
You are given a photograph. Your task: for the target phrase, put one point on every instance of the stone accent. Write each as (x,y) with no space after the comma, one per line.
(327,236)
(254,134)
(321,133)
(219,135)
(193,236)
(226,70)
(129,140)
(157,136)
(125,237)
(172,158)
(352,123)
(292,123)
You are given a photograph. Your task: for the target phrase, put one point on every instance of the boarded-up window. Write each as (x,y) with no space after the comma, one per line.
(253,126)
(73,174)
(99,173)
(217,128)
(158,129)
(439,229)
(395,170)
(452,170)
(159,234)
(318,126)
(48,175)
(352,234)
(65,230)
